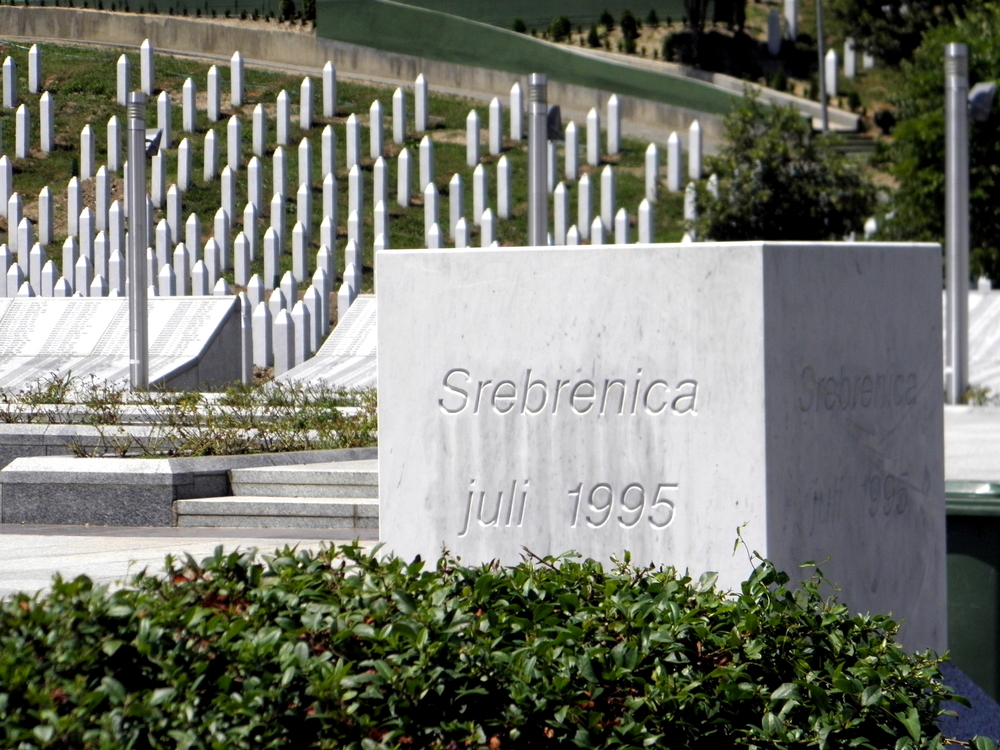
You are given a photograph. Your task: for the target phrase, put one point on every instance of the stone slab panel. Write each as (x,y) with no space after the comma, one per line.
(656,398)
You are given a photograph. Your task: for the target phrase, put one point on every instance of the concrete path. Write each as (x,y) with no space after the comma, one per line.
(31,555)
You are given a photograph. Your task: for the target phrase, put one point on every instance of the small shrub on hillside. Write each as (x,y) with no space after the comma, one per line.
(607,20)
(560,29)
(593,38)
(520,26)
(342,649)
(653,20)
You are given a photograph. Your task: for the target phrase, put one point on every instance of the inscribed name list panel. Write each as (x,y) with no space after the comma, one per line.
(183,326)
(582,399)
(855,433)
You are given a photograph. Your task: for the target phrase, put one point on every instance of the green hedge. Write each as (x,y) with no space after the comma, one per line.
(396,27)
(346,650)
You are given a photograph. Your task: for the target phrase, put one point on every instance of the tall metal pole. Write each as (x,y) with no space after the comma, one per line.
(956,219)
(821,50)
(135,207)
(538,129)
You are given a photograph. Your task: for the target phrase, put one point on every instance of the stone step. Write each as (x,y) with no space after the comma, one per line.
(278,512)
(336,479)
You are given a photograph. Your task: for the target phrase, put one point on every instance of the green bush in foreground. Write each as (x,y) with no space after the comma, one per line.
(342,649)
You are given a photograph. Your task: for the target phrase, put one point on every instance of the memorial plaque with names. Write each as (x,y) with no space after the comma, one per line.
(347,358)
(654,398)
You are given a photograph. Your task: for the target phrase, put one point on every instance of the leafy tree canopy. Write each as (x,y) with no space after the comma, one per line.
(891,29)
(778,181)
(919,148)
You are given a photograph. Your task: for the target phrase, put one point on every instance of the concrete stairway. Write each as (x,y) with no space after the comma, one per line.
(335,495)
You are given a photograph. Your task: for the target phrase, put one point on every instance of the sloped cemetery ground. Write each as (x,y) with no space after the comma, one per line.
(82,82)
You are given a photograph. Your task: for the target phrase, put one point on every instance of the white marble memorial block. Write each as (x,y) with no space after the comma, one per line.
(314,305)
(328,151)
(200,285)
(573,236)
(381,223)
(147,72)
(222,232)
(45,220)
(571,148)
(49,276)
(289,287)
(62,288)
(9,83)
(645,222)
(791,13)
(152,267)
(621,227)
(255,290)
(189,106)
(472,136)
(283,118)
(158,179)
(516,112)
(117,273)
(6,259)
(278,301)
(114,160)
(184,177)
(356,191)
(163,120)
(609,203)
(221,289)
(426,162)
(376,128)
(99,286)
(300,250)
(22,132)
(593,137)
(259,130)
(261,323)
(182,269)
(279,173)
(211,146)
(830,65)
(164,243)
(345,298)
(234,143)
(278,218)
(192,236)
(421,107)
(398,116)
(560,214)
(487,228)
(614,125)
(321,283)
(355,228)
(330,201)
(272,255)
(26,290)
(597,231)
(305,162)
(102,254)
(404,177)
(504,194)
(431,212)
(88,149)
(584,205)
(213,93)
(652,172)
(326,260)
(850,58)
(36,259)
(456,202)
(674,163)
(255,184)
(303,332)
(46,121)
(84,275)
(827,446)
(6,183)
(461,233)
(329,90)
(246,339)
(283,342)
(867,61)
(15,278)
(352,274)
(306,104)
(228,191)
(15,212)
(166,281)
(236,80)
(496,127)
(213,261)
(250,217)
(25,240)
(480,192)
(352,139)
(694,151)
(123,80)
(174,211)
(434,238)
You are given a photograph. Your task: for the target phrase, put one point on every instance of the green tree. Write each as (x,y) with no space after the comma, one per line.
(892,30)
(918,150)
(593,38)
(520,27)
(607,20)
(560,29)
(777,181)
(652,20)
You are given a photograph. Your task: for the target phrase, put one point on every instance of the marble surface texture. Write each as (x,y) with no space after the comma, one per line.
(659,398)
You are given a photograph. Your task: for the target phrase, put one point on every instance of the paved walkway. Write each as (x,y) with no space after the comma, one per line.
(31,555)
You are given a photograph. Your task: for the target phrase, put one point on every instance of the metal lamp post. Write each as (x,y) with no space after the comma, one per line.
(135,207)
(538,194)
